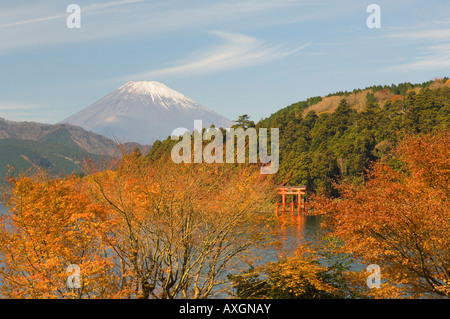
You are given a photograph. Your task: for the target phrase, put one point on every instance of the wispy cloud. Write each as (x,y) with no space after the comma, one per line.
(101,6)
(89,8)
(29,21)
(434,54)
(38,26)
(238,51)
(436,34)
(435,57)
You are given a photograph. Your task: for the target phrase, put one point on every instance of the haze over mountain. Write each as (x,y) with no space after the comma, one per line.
(143,112)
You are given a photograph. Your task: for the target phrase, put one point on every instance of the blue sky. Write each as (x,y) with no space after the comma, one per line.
(235,57)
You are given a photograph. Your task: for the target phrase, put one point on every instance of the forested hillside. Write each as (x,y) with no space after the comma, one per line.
(59,149)
(22,155)
(318,149)
(341,142)
(63,134)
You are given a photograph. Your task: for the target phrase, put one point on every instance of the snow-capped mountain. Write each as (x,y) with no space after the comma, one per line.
(143,112)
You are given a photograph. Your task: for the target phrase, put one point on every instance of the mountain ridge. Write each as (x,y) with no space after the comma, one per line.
(57,148)
(358,98)
(60,134)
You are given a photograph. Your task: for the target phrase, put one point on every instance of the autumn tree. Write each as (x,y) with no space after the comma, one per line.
(400,219)
(180,227)
(50,225)
(135,229)
(299,275)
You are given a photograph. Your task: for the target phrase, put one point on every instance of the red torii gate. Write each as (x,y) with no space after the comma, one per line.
(291,190)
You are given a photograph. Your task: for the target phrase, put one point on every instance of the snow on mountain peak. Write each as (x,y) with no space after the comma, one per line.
(153,88)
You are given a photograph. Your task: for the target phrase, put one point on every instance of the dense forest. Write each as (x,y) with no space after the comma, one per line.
(317,149)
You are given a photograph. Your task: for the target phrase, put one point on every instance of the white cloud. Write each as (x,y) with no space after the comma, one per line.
(437,34)
(29,21)
(89,8)
(101,6)
(38,26)
(433,54)
(238,51)
(435,57)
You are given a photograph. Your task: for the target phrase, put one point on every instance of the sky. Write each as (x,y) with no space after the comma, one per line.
(235,57)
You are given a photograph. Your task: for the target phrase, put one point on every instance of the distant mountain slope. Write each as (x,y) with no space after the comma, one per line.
(143,112)
(57,148)
(64,134)
(55,158)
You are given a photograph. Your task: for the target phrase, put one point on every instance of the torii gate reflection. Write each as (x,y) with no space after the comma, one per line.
(292,190)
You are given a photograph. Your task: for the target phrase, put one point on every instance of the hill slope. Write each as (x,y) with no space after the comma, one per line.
(340,143)
(55,158)
(57,148)
(64,134)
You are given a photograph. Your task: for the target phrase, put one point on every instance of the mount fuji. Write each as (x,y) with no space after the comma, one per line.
(143,112)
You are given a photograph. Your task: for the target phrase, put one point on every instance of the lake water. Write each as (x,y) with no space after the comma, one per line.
(289,232)
(295,229)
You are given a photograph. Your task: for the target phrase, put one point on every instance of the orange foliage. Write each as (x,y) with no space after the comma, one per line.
(396,97)
(400,220)
(140,229)
(51,225)
(300,274)
(179,225)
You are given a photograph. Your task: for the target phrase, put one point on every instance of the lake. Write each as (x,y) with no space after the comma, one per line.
(290,231)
